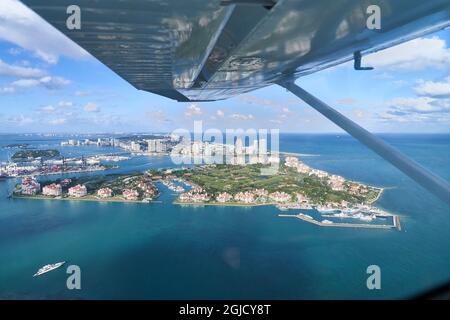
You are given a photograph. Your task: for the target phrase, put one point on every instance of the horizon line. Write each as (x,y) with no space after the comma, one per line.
(162,132)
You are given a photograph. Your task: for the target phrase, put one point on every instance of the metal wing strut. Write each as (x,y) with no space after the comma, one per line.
(424,177)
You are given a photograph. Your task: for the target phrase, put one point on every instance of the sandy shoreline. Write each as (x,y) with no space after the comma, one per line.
(377,197)
(61,173)
(224,204)
(92,199)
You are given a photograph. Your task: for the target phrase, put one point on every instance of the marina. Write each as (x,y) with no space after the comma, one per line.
(328,223)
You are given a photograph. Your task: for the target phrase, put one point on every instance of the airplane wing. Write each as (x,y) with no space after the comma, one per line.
(201,50)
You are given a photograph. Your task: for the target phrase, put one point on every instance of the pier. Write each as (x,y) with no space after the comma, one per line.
(395,225)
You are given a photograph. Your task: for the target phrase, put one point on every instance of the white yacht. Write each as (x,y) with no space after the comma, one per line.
(48,267)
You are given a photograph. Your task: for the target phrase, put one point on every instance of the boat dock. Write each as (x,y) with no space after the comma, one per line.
(395,225)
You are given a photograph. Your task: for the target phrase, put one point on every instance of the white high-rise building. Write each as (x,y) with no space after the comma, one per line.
(240,160)
(262,150)
(196,148)
(151,145)
(160,146)
(239,146)
(255,146)
(135,146)
(207,152)
(73,142)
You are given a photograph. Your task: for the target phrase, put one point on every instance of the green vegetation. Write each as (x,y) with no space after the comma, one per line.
(234,179)
(117,183)
(26,154)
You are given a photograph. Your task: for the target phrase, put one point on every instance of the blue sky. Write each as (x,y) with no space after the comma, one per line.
(49,84)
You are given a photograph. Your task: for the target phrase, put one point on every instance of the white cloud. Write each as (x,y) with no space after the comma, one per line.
(193,110)
(19,71)
(239,116)
(279,106)
(20,120)
(60,109)
(419,105)
(277,121)
(346,101)
(15,51)
(6,90)
(54,82)
(49,82)
(434,89)
(158,116)
(219,114)
(91,107)
(48,109)
(419,109)
(23,27)
(26,83)
(359,113)
(417,54)
(251,99)
(65,104)
(81,93)
(58,121)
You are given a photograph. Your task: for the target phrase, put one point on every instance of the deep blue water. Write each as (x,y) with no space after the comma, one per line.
(160,250)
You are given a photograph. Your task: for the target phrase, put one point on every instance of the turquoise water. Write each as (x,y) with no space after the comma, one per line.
(164,251)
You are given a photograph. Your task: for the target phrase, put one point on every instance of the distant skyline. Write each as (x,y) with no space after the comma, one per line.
(49,84)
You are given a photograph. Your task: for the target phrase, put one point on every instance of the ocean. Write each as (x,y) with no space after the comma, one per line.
(166,251)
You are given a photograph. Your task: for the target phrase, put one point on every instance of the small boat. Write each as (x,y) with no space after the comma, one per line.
(327,210)
(48,267)
(350,211)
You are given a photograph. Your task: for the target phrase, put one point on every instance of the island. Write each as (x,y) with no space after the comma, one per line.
(34,154)
(294,185)
(135,187)
(50,162)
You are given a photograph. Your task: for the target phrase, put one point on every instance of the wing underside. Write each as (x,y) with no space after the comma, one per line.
(200,50)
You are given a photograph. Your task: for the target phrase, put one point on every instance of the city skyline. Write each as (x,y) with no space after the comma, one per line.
(49,84)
